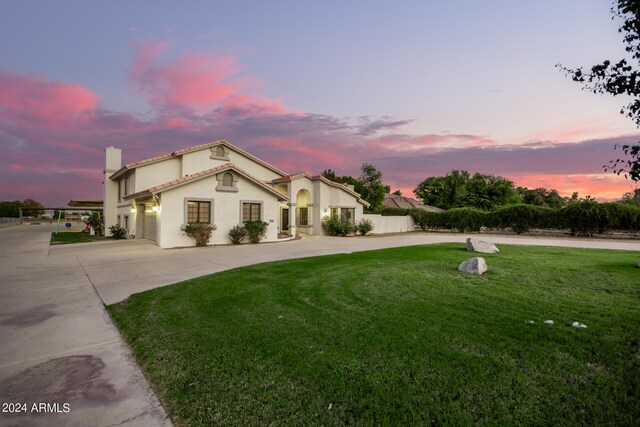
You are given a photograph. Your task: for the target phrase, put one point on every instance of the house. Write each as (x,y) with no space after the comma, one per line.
(220,184)
(394,201)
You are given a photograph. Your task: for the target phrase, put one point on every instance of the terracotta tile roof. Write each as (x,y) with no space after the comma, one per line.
(288,178)
(183,151)
(197,176)
(291,177)
(395,201)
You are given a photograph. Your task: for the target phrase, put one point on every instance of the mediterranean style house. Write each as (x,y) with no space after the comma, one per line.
(220,184)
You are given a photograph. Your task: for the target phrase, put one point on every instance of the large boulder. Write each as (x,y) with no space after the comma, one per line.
(474,265)
(475,245)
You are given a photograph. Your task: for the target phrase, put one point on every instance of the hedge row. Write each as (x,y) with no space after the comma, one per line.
(581,218)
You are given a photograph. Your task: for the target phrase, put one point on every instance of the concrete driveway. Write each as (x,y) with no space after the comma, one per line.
(59,344)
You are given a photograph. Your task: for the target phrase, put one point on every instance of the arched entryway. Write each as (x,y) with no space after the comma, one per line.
(303,212)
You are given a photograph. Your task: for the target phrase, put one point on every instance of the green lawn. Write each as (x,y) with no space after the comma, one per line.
(66,237)
(397,337)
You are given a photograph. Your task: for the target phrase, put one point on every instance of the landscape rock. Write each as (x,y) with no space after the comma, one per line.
(578,325)
(549,322)
(475,245)
(474,265)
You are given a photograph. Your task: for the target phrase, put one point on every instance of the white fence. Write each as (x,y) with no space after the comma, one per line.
(390,224)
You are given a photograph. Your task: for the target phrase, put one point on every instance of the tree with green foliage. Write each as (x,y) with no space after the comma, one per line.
(619,78)
(373,189)
(442,191)
(541,197)
(32,208)
(459,189)
(488,192)
(10,209)
(631,198)
(369,185)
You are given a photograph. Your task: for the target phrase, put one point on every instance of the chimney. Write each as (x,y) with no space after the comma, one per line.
(112,163)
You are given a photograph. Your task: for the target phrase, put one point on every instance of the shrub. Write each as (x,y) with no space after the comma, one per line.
(364,226)
(256,230)
(337,226)
(237,234)
(118,232)
(427,220)
(96,221)
(521,218)
(464,219)
(201,232)
(586,217)
(623,216)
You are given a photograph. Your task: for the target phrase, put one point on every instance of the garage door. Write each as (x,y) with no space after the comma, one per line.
(149,226)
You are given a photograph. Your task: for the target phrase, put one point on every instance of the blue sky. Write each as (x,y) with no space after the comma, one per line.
(396,84)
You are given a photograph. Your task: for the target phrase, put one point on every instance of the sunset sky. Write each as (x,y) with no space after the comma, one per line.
(417,88)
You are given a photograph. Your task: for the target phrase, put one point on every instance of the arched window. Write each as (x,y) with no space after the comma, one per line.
(227,179)
(220,151)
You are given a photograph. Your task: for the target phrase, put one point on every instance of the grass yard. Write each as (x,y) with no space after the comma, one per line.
(397,337)
(66,237)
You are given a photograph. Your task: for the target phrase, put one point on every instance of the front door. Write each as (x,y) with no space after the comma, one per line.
(285,219)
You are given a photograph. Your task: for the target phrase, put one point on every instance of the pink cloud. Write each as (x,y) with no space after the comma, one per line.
(198,81)
(31,98)
(52,134)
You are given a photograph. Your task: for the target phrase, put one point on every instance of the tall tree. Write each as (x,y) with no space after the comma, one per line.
(369,185)
(32,207)
(620,78)
(10,209)
(488,192)
(442,191)
(372,187)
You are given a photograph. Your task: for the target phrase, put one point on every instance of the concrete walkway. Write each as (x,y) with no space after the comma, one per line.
(60,345)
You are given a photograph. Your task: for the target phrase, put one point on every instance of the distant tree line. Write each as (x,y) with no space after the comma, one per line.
(461,189)
(29,207)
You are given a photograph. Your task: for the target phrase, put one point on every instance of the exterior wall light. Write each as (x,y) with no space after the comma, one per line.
(155,208)
(133,210)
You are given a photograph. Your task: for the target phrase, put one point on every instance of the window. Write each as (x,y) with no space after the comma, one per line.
(303,216)
(126,186)
(251,212)
(348,214)
(227,182)
(198,212)
(219,152)
(126,222)
(334,213)
(120,190)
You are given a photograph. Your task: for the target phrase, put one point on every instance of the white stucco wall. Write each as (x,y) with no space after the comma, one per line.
(156,174)
(226,211)
(201,160)
(390,224)
(326,197)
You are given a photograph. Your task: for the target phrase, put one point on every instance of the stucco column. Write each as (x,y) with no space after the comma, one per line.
(292,219)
